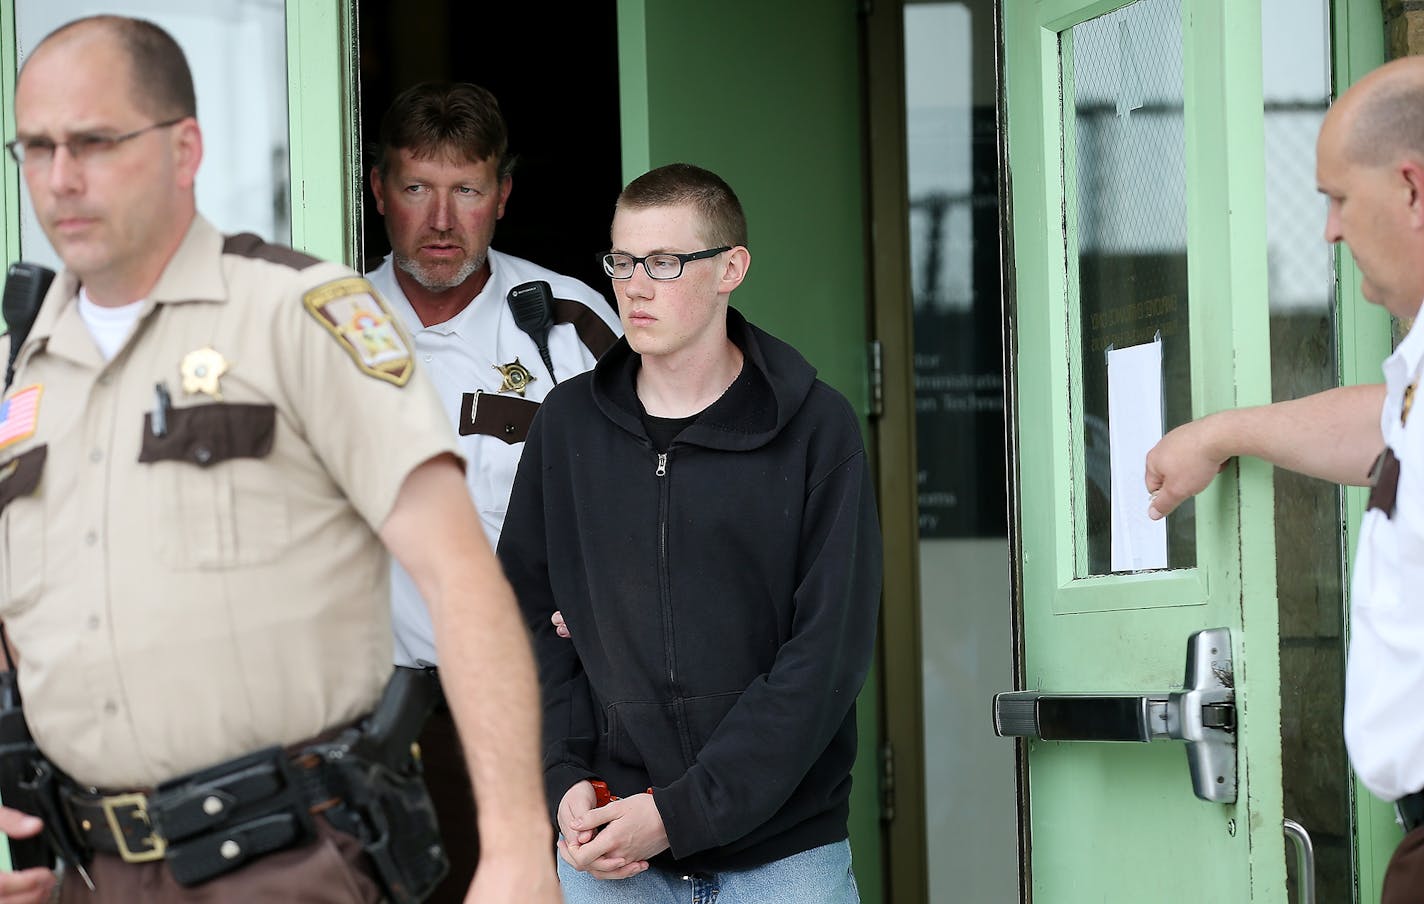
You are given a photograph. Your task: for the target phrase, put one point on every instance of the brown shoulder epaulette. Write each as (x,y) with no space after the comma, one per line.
(245,244)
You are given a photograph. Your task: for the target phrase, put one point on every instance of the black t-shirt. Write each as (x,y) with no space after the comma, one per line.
(663,430)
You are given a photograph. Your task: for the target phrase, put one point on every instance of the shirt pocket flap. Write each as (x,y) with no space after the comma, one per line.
(503,417)
(21,474)
(205,435)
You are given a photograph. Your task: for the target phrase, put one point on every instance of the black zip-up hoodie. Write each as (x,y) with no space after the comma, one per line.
(722,600)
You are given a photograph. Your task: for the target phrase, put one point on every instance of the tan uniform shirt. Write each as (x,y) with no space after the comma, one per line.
(183,599)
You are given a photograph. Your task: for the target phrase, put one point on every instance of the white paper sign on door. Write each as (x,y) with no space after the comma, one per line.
(1134,427)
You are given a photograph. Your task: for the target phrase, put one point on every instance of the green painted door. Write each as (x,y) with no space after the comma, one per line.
(1135,152)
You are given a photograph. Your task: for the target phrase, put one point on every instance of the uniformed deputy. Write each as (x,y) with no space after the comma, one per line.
(1370,165)
(441,179)
(206,443)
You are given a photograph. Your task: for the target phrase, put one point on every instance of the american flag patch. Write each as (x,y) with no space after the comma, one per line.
(19,414)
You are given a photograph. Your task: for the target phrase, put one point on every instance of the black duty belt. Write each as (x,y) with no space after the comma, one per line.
(364,780)
(208,822)
(1410,808)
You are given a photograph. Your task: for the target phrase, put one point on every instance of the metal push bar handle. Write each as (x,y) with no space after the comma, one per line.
(1081,717)
(1203,714)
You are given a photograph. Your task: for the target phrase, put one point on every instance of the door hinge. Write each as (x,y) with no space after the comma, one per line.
(876,361)
(887,782)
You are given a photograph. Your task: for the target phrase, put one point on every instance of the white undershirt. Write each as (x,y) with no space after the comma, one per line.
(109,326)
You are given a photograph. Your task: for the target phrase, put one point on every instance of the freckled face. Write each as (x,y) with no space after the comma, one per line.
(666,317)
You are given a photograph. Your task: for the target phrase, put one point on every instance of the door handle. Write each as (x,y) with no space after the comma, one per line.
(1203,714)
(1304,860)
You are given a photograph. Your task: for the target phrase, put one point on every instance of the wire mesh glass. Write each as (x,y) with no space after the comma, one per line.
(1126,205)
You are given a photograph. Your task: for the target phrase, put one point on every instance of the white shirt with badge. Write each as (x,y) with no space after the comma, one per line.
(1384,677)
(473,353)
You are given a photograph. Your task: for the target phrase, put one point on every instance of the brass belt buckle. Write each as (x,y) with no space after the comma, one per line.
(157,846)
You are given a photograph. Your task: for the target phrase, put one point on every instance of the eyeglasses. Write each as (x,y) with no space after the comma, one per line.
(665,265)
(83,147)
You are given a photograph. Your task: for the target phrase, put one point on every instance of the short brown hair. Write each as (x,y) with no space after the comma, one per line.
(723,221)
(160,79)
(435,118)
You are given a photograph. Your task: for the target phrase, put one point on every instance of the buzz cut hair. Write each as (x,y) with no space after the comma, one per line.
(459,120)
(160,80)
(723,222)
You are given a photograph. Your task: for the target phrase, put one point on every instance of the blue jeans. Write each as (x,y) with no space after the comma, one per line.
(819,876)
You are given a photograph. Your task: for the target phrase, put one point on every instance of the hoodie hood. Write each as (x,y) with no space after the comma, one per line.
(748,416)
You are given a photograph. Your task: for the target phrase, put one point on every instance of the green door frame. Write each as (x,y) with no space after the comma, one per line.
(323,109)
(902,712)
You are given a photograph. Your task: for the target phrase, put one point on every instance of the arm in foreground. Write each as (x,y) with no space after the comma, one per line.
(488,675)
(1333,435)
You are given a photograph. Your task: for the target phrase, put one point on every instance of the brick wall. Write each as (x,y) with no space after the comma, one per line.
(1403,27)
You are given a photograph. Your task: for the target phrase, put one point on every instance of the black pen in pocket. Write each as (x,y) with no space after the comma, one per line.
(161,404)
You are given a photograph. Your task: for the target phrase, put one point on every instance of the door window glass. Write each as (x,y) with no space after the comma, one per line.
(952,143)
(238,54)
(1125,195)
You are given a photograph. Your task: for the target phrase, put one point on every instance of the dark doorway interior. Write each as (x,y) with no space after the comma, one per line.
(556,76)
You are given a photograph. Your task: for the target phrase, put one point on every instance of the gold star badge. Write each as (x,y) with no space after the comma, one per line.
(516,377)
(202,368)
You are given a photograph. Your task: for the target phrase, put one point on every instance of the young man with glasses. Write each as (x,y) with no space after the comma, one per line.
(699,509)
(208,442)
(441,178)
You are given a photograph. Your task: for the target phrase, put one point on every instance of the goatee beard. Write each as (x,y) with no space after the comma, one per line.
(432,283)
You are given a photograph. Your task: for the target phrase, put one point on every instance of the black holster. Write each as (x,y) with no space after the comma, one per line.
(374,772)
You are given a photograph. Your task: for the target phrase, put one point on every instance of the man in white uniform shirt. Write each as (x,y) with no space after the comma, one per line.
(441,180)
(1370,165)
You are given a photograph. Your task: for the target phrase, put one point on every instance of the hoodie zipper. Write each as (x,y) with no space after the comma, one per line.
(664,581)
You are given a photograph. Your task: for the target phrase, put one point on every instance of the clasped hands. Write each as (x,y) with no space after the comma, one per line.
(613,841)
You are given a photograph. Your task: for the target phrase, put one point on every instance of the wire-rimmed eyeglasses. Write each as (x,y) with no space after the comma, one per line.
(83,146)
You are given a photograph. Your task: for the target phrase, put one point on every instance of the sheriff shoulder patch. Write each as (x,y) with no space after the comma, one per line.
(353,312)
